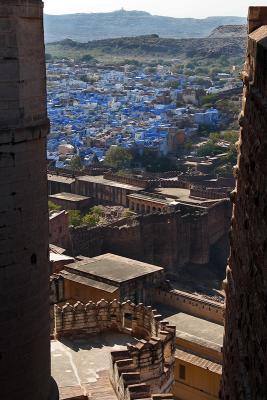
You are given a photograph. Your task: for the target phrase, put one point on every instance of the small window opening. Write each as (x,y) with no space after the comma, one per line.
(127,320)
(182,372)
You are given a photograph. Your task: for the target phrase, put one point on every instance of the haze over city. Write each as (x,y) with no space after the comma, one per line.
(190,8)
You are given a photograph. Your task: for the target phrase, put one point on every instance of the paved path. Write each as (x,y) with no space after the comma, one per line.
(82,366)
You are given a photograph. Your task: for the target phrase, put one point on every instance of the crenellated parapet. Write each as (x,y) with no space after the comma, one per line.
(83,319)
(145,367)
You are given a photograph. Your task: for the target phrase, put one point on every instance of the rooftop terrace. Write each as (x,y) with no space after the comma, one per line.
(60,178)
(69,197)
(183,195)
(81,367)
(193,326)
(99,179)
(114,268)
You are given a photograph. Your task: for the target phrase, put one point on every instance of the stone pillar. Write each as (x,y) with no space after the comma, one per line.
(245,342)
(24,270)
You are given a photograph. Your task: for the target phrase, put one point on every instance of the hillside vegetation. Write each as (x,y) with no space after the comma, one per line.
(229,31)
(151,47)
(85,27)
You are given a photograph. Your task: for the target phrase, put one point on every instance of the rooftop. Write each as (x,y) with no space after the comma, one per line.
(182,195)
(193,326)
(114,268)
(81,367)
(55,257)
(88,282)
(154,199)
(68,196)
(60,178)
(198,361)
(101,180)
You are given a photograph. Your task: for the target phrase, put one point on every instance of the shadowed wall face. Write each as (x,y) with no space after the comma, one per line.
(24,322)
(245,346)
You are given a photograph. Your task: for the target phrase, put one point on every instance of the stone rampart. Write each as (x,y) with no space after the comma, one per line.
(145,367)
(173,184)
(196,178)
(91,171)
(90,242)
(190,304)
(129,180)
(208,193)
(169,240)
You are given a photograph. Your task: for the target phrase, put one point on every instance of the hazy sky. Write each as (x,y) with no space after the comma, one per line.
(173,8)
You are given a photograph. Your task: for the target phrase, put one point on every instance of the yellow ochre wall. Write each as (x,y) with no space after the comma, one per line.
(202,349)
(199,383)
(84,293)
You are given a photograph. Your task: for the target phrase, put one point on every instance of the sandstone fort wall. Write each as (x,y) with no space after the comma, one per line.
(143,368)
(169,240)
(190,304)
(24,272)
(245,345)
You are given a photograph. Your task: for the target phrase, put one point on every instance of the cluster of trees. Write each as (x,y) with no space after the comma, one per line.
(123,159)
(53,207)
(212,147)
(93,218)
(118,158)
(154,163)
(76,163)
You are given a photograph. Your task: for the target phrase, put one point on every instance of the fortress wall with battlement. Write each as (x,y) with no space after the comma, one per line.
(190,304)
(170,240)
(145,367)
(208,193)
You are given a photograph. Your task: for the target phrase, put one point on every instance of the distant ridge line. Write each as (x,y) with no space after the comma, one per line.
(84,27)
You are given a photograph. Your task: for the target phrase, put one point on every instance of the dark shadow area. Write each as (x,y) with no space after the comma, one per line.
(98,341)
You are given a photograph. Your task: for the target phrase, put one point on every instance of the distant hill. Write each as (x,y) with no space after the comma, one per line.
(153,45)
(85,27)
(229,31)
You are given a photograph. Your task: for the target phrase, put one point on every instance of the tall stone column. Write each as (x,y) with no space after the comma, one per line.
(24,272)
(245,344)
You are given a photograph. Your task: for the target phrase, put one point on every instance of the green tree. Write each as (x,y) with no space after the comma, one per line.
(97,210)
(87,58)
(76,163)
(177,69)
(172,84)
(84,78)
(209,149)
(53,207)
(202,70)
(231,156)
(230,136)
(75,218)
(151,70)
(190,65)
(209,99)
(188,146)
(91,220)
(118,158)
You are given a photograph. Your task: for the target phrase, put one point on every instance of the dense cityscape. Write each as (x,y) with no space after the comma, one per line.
(94,108)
